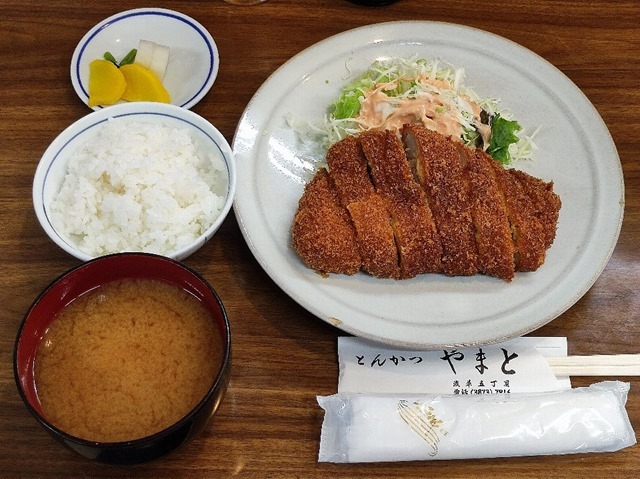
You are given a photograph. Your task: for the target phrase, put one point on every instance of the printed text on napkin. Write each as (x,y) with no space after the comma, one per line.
(514,366)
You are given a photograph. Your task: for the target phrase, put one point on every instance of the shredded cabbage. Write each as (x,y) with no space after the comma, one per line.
(401,83)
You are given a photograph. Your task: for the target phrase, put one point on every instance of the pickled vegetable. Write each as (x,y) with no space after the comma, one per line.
(106,83)
(143,85)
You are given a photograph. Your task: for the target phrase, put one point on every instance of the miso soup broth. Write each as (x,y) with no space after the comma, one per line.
(127,360)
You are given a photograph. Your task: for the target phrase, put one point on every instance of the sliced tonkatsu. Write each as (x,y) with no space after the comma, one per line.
(546,203)
(322,232)
(438,167)
(490,219)
(368,212)
(526,230)
(399,204)
(415,231)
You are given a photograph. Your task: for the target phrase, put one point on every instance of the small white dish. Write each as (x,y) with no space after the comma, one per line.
(193,62)
(52,168)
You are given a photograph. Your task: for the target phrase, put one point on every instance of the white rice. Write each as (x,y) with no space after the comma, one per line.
(139,187)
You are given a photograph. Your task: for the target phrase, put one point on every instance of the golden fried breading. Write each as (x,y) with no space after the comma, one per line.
(416,235)
(526,229)
(375,237)
(438,207)
(372,222)
(546,203)
(348,168)
(489,213)
(437,166)
(322,232)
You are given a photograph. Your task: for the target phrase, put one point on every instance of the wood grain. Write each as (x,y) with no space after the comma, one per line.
(269,423)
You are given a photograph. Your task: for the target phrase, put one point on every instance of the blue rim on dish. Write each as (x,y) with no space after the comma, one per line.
(208,41)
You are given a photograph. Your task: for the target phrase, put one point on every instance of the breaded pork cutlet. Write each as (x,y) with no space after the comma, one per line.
(438,207)
(526,230)
(490,220)
(437,165)
(416,235)
(546,203)
(375,238)
(322,232)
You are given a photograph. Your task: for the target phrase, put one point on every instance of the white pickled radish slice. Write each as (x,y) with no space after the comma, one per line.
(153,56)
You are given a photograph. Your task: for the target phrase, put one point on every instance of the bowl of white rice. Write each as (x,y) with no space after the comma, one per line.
(137,177)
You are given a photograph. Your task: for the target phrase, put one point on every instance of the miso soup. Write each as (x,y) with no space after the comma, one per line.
(127,360)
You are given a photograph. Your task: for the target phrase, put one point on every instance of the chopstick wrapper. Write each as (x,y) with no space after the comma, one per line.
(517,365)
(461,403)
(404,427)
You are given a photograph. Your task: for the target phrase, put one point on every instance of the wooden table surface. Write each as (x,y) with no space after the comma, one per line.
(269,423)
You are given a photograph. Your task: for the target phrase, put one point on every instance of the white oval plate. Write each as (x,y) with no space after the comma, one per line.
(193,59)
(433,311)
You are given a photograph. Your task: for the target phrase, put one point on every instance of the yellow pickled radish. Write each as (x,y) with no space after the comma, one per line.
(106,83)
(143,85)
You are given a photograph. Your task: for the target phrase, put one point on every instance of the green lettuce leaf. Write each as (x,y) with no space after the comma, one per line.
(347,105)
(502,135)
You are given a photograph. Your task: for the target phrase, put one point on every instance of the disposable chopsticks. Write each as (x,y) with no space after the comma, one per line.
(598,365)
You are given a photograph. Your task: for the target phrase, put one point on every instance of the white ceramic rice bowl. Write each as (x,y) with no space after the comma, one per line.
(52,168)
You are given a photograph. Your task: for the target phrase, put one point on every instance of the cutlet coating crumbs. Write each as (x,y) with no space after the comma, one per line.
(416,234)
(368,212)
(438,167)
(322,233)
(397,205)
